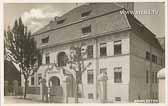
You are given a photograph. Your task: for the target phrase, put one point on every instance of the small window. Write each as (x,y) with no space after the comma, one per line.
(85,14)
(154,59)
(90,96)
(86,30)
(117,47)
(90,76)
(47,59)
(60,21)
(32,80)
(147,76)
(103,51)
(117,74)
(118,99)
(90,51)
(156,80)
(103,70)
(45,40)
(153,77)
(147,56)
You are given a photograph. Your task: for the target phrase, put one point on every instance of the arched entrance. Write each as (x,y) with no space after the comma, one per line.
(54,81)
(56,91)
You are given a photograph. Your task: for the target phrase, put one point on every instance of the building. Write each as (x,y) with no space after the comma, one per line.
(121,49)
(161,78)
(11,75)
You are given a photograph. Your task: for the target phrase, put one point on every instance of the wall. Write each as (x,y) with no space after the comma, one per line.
(162,91)
(138,67)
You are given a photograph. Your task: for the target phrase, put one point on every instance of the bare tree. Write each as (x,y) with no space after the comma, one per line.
(76,60)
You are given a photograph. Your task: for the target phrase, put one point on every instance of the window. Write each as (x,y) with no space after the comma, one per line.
(60,21)
(39,78)
(147,56)
(85,14)
(154,59)
(117,47)
(117,98)
(90,76)
(90,96)
(117,74)
(62,59)
(103,51)
(156,77)
(47,59)
(45,40)
(153,77)
(147,77)
(86,30)
(103,70)
(39,59)
(90,51)
(32,80)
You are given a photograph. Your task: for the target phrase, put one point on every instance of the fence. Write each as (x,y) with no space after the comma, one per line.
(33,90)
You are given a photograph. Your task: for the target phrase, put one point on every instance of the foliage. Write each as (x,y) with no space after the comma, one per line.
(21,49)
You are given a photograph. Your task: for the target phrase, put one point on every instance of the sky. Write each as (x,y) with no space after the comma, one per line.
(37,15)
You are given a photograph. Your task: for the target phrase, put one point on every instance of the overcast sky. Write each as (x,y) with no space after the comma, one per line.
(36,15)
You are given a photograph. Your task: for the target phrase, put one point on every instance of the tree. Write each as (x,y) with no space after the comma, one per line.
(76,63)
(21,49)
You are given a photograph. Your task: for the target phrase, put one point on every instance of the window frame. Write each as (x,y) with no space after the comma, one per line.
(119,44)
(90,96)
(148,56)
(117,74)
(90,55)
(60,21)
(90,74)
(45,40)
(86,30)
(118,99)
(147,76)
(47,59)
(85,14)
(103,46)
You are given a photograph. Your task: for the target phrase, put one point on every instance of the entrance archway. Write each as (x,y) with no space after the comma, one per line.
(56,90)
(54,81)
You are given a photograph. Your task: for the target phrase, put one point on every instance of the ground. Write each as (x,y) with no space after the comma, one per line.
(14,99)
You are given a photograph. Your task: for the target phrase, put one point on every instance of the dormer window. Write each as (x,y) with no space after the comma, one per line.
(85,14)
(86,30)
(45,40)
(60,21)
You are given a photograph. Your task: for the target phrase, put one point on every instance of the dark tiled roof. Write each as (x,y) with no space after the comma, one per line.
(143,32)
(75,14)
(10,71)
(112,21)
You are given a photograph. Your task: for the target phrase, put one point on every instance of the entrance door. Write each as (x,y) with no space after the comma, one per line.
(56,91)
(54,81)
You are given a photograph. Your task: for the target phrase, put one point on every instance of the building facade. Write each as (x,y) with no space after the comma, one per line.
(124,55)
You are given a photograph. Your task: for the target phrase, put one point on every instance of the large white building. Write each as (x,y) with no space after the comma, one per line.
(124,55)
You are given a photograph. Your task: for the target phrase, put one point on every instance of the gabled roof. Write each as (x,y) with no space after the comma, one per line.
(74,15)
(70,31)
(143,32)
